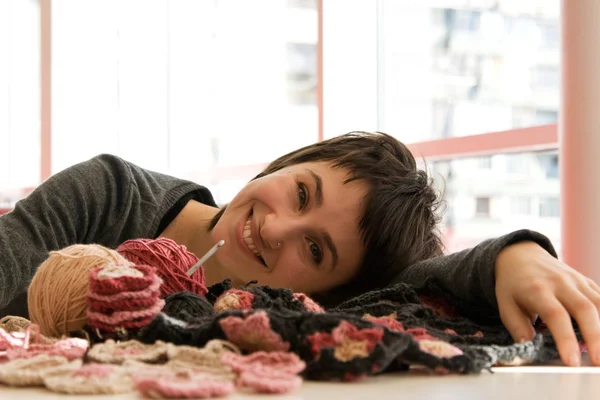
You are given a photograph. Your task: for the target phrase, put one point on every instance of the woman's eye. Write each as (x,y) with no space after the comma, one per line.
(315,252)
(302,195)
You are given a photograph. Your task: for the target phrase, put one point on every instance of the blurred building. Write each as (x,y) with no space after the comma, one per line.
(458,68)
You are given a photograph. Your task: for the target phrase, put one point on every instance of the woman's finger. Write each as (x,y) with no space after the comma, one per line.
(593,286)
(516,320)
(558,321)
(590,325)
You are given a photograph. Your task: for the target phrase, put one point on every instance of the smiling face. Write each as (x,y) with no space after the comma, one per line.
(296,228)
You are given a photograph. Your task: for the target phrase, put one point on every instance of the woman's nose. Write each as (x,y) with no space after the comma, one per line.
(277,230)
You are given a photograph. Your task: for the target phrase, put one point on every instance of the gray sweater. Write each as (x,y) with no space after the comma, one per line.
(107,201)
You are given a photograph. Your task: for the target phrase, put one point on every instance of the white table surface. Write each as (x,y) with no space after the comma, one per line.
(511,383)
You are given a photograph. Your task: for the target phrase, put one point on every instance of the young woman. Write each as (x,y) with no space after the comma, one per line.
(332,220)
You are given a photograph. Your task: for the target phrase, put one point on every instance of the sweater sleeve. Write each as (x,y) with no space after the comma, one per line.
(105,200)
(469,275)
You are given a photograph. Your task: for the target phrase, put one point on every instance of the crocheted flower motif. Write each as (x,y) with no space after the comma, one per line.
(234,299)
(70,348)
(31,371)
(420,334)
(253,333)
(123,297)
(439,348)
(91,379)
(308,303)
(112,352)
(439,305)
(190,373)
(389,321)
(171,386)
(112,279)
(347,340)
(208,356)
(274,372)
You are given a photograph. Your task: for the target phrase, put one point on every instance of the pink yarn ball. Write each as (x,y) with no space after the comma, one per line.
(171,262)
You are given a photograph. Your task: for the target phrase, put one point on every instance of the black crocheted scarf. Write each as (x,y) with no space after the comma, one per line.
(381,331)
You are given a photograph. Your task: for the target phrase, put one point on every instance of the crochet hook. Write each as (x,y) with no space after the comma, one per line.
(205,258)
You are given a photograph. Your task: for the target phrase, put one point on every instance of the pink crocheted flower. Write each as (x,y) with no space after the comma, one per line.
(439,348)
(234,299)
(253,333)
(269,380)
(439,305)
(70,348)
(348,341)
(389,321)
(274,372)
(281,361)
(173,387)
(420,334)
(112,279)
(308,303)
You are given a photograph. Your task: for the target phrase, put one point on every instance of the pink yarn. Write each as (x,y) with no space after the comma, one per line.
(171,262)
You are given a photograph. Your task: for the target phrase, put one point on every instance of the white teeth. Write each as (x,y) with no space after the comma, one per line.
(248,238)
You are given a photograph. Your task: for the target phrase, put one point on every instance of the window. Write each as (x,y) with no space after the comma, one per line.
(302,73)
(549,207)
(549,165)
(188,80)
(485,205)
(303,3)
(468,67)
(518,163)
(484,162)
(520,205)
(482,206)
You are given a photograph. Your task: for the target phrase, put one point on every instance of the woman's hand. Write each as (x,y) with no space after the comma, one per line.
(530,282)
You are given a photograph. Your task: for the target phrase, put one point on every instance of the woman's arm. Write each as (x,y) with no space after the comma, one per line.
(469,275)
(78,205)
(516,279)
(105,200)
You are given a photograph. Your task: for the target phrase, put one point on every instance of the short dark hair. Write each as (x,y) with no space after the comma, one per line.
(400,223)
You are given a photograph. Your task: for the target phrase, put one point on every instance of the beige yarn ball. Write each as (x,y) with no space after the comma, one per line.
(57,295)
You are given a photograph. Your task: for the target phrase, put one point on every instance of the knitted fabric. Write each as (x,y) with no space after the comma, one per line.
(208,357)
(274,372)
(122,298)
(111,352)
(31,371)
(12,323)
(155,370)
(91,379)
(22,345)
(186,306)
(384,330)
